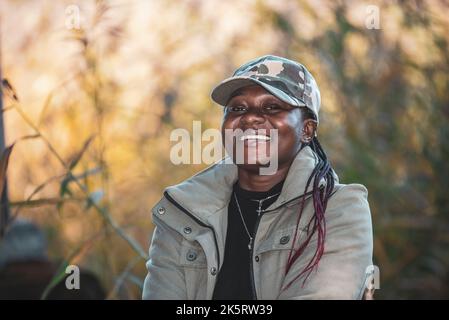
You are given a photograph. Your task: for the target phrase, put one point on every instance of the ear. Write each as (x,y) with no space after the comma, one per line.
(308,130)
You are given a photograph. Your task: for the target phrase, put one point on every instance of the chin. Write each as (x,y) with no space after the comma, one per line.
(254,164)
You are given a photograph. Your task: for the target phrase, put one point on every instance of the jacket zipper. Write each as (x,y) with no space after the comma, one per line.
(169,198)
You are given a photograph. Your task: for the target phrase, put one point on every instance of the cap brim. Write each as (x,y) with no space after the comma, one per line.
(222,92)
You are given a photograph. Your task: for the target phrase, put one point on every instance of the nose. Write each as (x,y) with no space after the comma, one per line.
(252,118)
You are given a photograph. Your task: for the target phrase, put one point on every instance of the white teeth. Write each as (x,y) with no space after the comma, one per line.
(254,137)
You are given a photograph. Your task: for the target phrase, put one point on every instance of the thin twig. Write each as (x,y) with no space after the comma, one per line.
(44,201)
(122,277)
(60,271)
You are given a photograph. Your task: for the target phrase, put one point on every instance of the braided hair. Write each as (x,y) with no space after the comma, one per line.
(320,196)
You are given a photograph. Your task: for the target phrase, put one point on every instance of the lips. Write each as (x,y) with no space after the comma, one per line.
(251,146)
(257,142)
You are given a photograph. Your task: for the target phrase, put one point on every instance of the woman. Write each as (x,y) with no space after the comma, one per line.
(231,232)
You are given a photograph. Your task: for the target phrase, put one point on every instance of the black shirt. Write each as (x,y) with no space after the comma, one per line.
(235,279)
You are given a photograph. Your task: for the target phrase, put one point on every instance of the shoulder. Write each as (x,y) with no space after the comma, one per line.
(348,209)
(353,190)
(349,197)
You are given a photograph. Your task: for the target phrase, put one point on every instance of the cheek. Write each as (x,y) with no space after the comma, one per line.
(289,128)
(228,123)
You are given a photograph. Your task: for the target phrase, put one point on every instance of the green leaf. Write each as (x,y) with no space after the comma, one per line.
(59,275)
(80,153)
(64,189)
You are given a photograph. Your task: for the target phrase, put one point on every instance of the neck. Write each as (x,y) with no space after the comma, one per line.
(250,179)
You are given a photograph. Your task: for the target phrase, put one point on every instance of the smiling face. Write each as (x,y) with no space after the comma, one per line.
(254,108)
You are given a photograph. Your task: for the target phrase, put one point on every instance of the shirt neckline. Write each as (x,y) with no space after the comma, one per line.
(257,195)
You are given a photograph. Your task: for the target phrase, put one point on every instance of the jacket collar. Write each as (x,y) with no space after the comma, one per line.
(209,191)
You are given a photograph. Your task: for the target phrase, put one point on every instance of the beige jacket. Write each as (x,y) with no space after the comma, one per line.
(187,247)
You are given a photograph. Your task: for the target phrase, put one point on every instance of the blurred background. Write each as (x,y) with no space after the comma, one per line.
(92,90)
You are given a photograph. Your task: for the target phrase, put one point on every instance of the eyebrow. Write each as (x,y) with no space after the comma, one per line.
(234,94)
(238,92)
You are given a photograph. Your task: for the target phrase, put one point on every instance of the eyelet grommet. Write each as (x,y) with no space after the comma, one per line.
(284,240)
(191,255)
(187,230)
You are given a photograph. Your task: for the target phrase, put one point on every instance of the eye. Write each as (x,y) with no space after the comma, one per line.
(236,109)
(272,108)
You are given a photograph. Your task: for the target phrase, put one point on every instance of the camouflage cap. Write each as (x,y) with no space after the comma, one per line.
(288,80)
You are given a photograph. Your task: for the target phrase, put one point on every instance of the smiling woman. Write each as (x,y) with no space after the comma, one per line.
(234,232)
